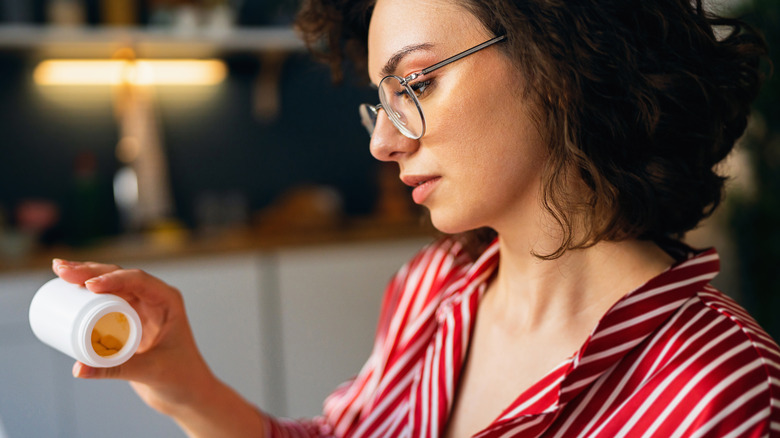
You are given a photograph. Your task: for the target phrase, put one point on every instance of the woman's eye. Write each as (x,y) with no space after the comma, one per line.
(419,88)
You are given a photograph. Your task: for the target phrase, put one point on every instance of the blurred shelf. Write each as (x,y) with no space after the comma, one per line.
(90,42)
(179,244)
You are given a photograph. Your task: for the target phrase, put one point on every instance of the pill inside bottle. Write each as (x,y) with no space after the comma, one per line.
(110,334)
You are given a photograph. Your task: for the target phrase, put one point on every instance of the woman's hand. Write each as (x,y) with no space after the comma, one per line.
(167,371)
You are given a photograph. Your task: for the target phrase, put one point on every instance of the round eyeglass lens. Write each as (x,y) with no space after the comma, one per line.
(401,106)
(368,115)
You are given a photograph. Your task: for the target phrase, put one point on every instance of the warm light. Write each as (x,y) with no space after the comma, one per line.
(138,72)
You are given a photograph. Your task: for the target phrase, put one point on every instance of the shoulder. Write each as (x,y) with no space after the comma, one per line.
(742,328)
(433,265)
(431,268)
(422,283)
(721,368)
(406,316)
(708,370)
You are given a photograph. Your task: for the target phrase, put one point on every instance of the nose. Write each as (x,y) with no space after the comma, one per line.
(387,142)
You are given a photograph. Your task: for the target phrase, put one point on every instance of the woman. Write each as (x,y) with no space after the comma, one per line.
(566,144)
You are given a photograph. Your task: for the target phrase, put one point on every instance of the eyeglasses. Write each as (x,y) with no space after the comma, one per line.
(398,97)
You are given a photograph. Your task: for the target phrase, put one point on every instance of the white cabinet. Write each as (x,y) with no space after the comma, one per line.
(282,327)
(30,384)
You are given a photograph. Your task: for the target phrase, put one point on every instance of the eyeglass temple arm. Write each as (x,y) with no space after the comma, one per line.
(463,54)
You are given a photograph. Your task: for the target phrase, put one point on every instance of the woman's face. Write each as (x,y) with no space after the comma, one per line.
(479,162)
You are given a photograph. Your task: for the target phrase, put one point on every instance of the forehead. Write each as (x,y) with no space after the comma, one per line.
(444,26)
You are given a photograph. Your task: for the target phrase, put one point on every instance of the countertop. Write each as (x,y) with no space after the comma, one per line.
(175,243)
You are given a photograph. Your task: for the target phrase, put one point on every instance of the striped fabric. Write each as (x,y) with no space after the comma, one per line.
(674,358)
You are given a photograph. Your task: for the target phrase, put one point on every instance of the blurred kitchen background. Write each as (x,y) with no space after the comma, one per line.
(242,150)
(244,179)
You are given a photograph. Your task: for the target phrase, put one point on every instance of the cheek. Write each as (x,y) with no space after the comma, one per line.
(500,148)
(467,113)
(465,130)
(487,101)
(490,127)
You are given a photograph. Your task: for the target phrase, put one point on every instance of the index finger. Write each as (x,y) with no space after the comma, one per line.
(132,284)
(80,272)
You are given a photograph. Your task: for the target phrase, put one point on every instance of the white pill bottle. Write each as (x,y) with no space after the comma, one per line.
(99,330)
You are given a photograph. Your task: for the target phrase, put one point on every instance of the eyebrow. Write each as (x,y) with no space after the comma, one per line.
(392,63)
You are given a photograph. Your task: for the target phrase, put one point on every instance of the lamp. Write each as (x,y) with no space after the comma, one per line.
(130,71)
(141,187)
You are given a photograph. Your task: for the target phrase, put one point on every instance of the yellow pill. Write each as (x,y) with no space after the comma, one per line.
(95,336)
(99,348)
(111,343)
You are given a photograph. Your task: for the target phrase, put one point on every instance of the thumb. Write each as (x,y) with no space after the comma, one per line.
(83,371)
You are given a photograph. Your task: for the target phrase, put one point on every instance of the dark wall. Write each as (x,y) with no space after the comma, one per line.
(213,139)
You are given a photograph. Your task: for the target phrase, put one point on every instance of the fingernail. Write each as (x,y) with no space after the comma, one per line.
(60,264)
(94,280)
(81,371)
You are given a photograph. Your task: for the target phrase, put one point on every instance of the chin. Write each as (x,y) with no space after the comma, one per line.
(450,223)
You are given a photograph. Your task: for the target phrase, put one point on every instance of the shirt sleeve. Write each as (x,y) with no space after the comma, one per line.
(284,428)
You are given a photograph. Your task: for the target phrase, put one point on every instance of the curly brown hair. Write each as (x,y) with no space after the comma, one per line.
(639,99)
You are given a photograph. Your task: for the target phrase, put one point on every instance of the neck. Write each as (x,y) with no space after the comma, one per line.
(574,290)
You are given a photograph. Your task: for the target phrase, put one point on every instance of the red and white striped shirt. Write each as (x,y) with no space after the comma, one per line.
(673,358)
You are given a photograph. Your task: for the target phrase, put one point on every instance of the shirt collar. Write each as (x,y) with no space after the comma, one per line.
(637,315)
(630,320)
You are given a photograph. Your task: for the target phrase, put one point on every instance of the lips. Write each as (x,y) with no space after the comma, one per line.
(423,186)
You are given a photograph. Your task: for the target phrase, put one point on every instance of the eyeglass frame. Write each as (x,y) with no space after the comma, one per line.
(369,113)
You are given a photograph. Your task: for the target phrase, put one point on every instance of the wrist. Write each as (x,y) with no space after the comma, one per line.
(190,395)
(216,409)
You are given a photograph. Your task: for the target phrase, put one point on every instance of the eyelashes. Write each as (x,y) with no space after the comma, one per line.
(421,88)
